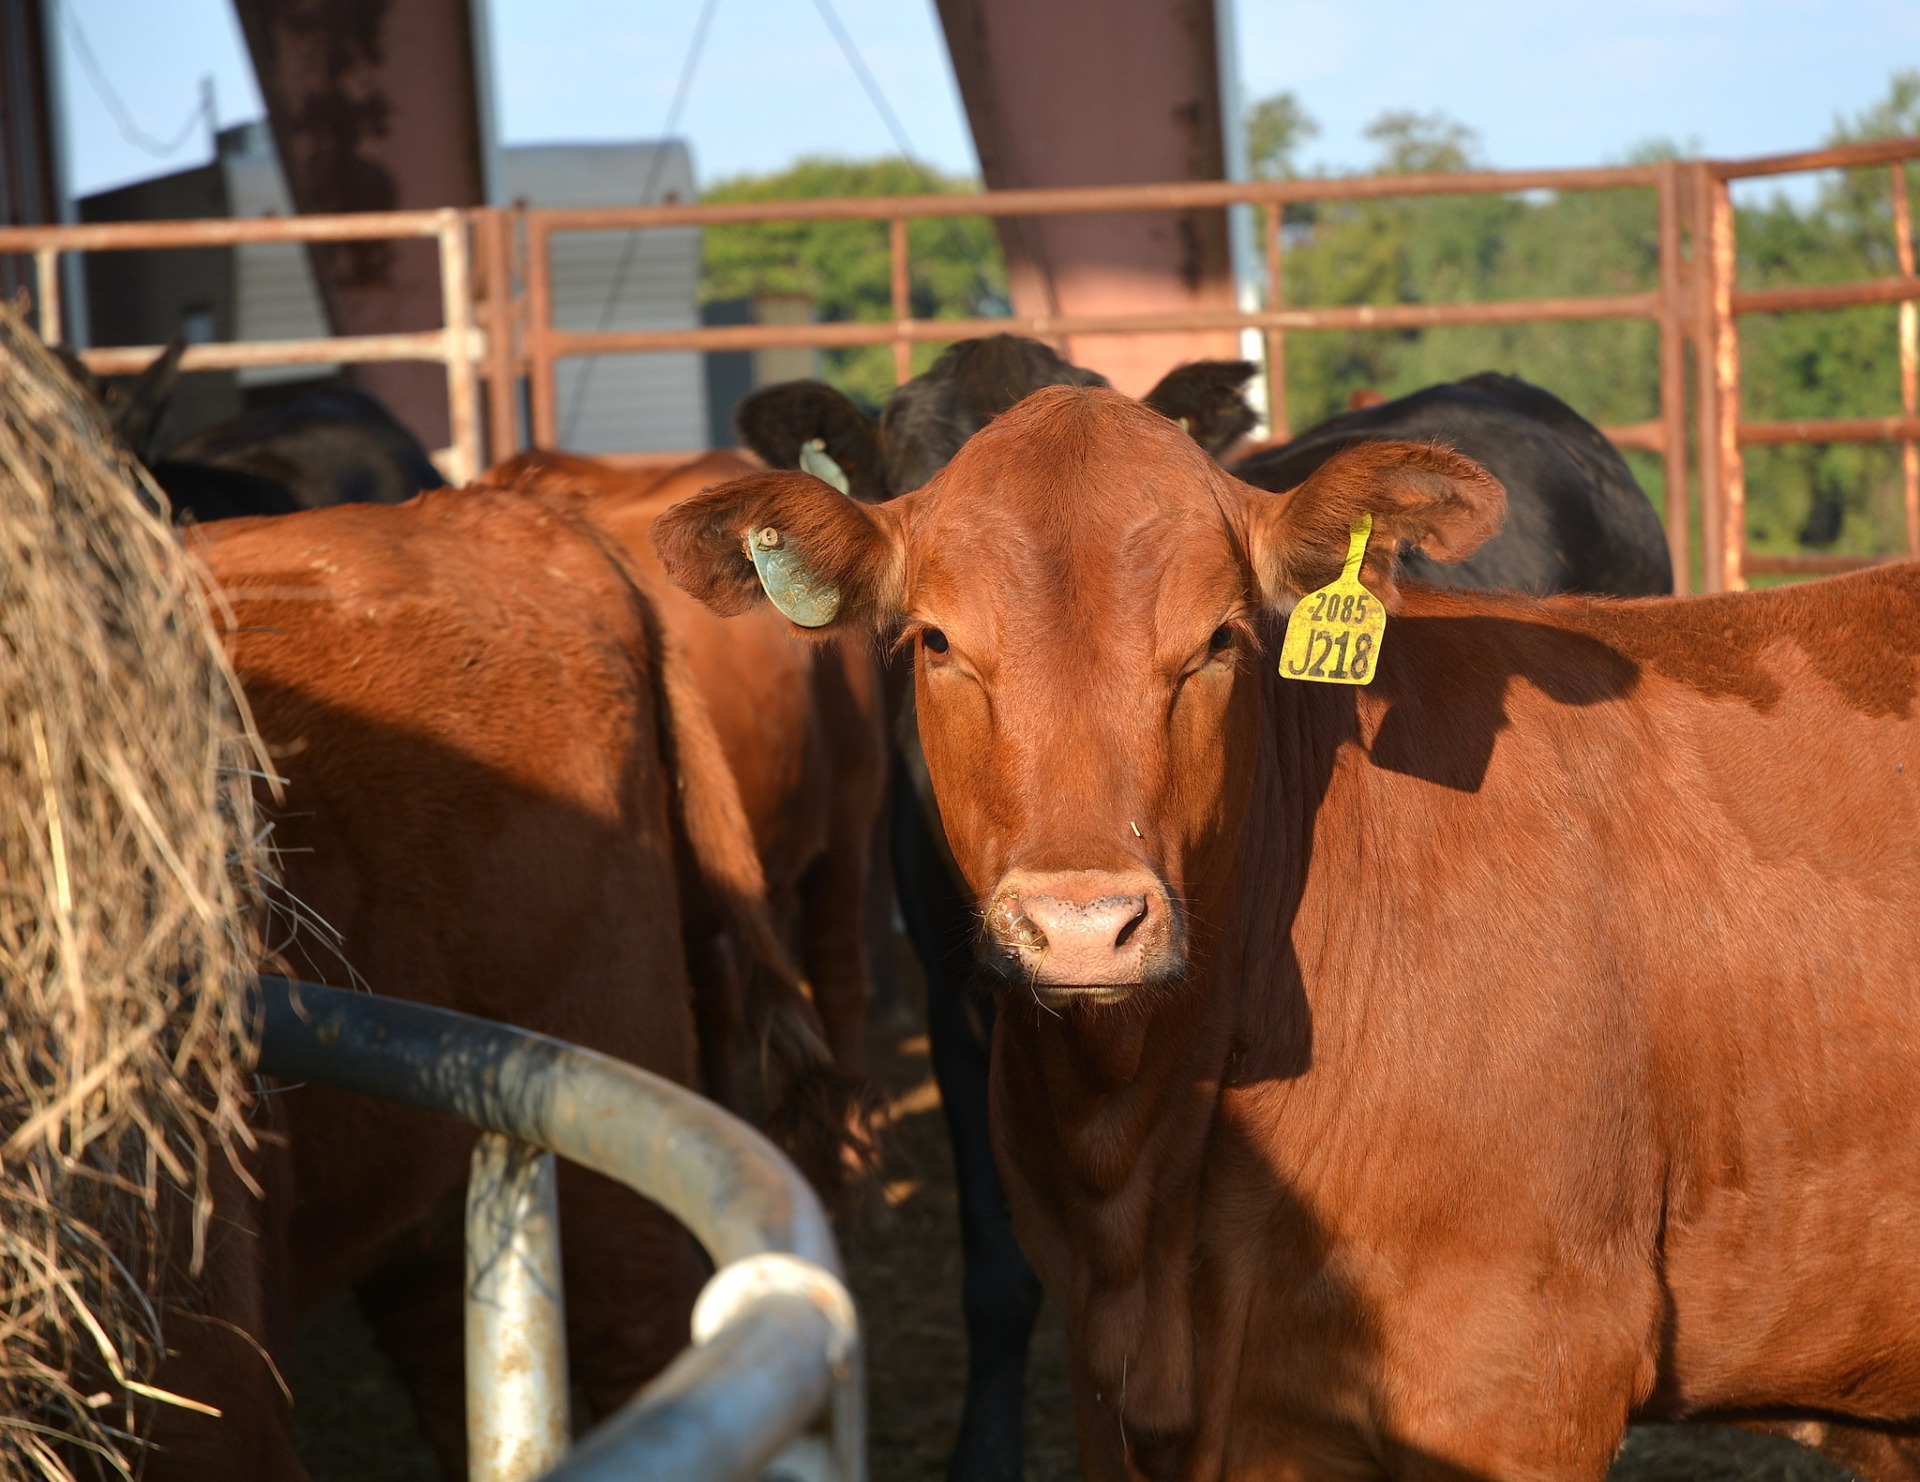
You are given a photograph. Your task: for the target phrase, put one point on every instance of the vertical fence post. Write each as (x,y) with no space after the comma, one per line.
(902,300)
(536,330)
(1909,358)
(1276,337)
(517,1424)
(1722,492)
(496,270)
(1726,388)
(456,299)
(1673,377)
(46,285)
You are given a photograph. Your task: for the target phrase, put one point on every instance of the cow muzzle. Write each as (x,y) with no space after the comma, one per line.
(1083,933)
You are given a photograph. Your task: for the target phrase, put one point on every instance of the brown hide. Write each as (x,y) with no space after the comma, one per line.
(800,723)
(1543,1052)
(485,796)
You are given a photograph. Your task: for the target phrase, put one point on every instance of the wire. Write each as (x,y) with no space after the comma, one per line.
(630,247)
(908,154)
(878,98)
(122,115)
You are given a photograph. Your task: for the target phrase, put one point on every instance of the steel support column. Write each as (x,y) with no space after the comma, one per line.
(29,147)
(1102,92)
(374,108)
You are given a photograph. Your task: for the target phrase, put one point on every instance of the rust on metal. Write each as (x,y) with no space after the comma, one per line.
(518,1423)
(498,322)
(1095,199)
(1810,563)
(1909,359)
(1671,439)
(495,288)
(1833,430)
(1826,296)
(1725,365)
(1278,426)
(902,301)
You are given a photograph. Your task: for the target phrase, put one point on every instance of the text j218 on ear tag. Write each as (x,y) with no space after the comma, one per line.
(1334,634)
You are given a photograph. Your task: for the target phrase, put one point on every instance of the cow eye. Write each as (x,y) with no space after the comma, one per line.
(1222,638)
(935,640)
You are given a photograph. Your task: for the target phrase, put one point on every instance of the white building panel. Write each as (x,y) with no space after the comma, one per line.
(620,280)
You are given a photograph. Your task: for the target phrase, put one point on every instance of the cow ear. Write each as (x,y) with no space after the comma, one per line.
(792,425)
(1418,494)
(827,562)
(1208,399)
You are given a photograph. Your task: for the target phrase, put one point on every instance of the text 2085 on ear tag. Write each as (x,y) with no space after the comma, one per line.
(1334,634)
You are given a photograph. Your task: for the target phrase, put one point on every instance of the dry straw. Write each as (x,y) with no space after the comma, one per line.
(129,856)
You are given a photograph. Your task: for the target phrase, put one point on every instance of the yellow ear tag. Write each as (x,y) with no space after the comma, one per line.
(1334,634)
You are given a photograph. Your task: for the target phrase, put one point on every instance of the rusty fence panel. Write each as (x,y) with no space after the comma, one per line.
(497,294)
(773,1383)
(1723,429)
(456,346)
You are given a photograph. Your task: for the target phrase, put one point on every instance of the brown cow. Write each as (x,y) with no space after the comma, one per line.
(801,724)
(491,770)
(1426,1078)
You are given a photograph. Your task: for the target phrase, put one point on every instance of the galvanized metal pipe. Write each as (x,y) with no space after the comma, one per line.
(516,1362)
(776,1336)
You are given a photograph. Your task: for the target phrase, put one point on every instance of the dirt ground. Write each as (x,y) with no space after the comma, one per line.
(355,1424)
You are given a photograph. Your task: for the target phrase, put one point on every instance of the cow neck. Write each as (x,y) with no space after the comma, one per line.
(1108,1114)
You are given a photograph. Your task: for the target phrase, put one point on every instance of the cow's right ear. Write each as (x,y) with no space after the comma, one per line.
(780,423)
(827,562)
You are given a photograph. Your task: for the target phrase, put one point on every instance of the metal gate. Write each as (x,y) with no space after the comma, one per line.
(773,1380)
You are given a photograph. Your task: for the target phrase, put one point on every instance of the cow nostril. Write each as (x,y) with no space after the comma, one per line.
(1132,925)
(1023,933)
(1013,927)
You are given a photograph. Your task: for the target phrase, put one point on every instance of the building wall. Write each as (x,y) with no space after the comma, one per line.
(620,280)
(269,291)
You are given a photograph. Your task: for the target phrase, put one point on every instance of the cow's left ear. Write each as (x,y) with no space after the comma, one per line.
(827,562)
(1418,494)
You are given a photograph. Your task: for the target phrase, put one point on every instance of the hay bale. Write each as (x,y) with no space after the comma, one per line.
(129,858)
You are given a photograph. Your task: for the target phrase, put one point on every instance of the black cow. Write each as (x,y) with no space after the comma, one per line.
(1578,522)
(329,444)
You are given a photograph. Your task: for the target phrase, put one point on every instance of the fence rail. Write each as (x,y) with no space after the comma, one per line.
(774,1377)
(499,324)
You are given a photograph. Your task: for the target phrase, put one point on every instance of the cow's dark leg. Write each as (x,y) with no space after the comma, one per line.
(1001,1293)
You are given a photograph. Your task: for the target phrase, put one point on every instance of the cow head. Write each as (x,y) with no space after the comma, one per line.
(1084,591)
(929,418)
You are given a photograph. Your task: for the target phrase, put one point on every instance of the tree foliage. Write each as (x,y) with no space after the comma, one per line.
(1446,249)
(844,268)
(1442,249)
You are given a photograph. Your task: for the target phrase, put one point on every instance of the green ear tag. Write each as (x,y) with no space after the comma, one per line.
(1334,634)
(789,585)
(815,459)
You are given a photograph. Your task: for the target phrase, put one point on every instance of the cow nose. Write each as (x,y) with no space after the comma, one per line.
(1082,928)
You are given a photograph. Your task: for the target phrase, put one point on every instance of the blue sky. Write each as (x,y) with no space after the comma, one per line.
(1551,82)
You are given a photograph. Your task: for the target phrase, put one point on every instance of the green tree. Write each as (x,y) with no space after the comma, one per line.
(1276,128)
(1480,248)
(844,268)
(1841,363)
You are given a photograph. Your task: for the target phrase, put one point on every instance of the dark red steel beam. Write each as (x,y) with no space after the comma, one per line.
(374,108)
(29,174)
(1102,92)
